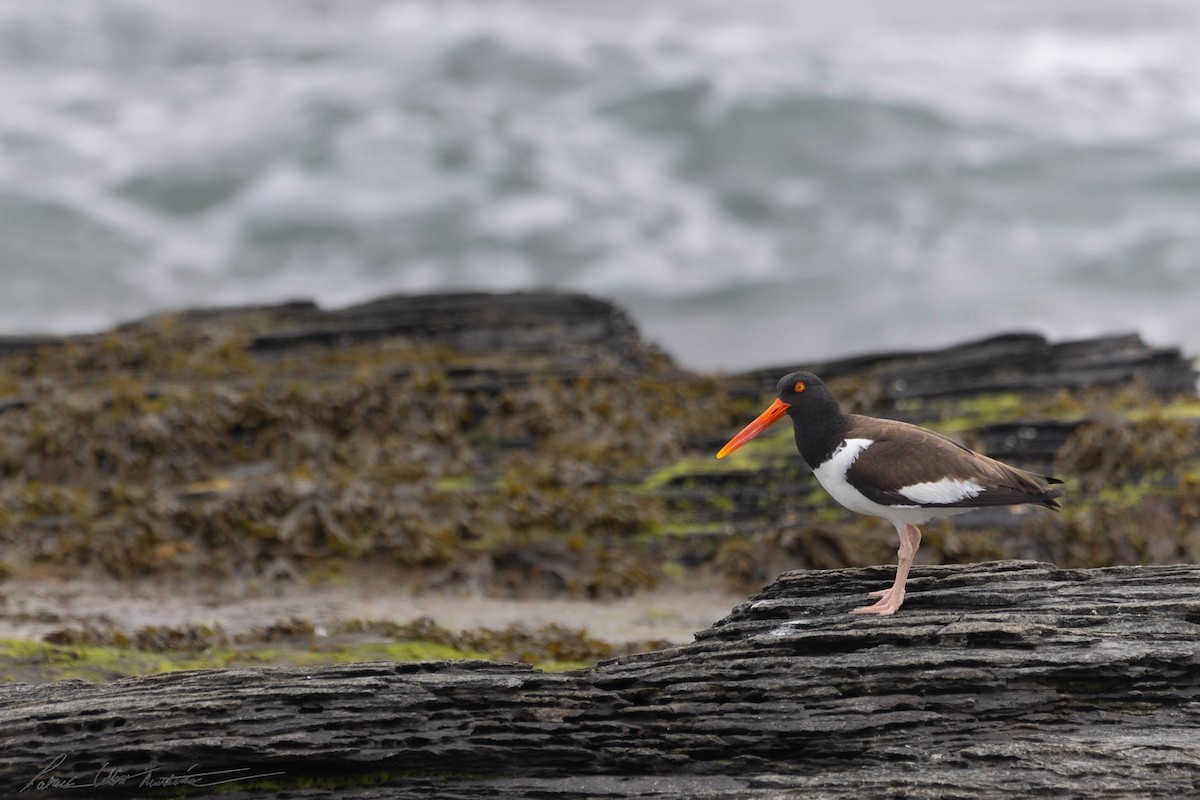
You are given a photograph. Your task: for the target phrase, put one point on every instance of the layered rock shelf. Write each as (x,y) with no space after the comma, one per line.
(1007,679)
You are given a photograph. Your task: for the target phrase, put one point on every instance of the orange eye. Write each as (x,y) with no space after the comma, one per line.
(799,387)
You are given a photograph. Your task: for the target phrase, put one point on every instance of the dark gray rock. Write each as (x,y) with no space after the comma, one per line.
(1008,679)
(1010,362)
(517,324)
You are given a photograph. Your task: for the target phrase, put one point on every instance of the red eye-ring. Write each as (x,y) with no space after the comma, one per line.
(799,387)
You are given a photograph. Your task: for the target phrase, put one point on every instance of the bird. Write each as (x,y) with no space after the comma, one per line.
(885,468)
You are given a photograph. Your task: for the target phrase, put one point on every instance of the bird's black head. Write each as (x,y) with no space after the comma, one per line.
(802,396)
(801,390)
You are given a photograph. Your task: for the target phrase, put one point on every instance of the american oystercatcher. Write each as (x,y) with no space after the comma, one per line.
(883,468)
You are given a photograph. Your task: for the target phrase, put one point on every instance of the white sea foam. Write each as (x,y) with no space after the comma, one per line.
(890,176)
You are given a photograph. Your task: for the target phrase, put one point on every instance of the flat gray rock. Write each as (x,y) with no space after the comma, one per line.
(1006,679)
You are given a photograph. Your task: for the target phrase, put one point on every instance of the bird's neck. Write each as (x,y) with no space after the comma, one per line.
(818,435)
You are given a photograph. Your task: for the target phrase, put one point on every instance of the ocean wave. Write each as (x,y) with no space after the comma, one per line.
(674,157)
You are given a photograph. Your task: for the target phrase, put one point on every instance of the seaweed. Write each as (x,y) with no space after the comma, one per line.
(558,458)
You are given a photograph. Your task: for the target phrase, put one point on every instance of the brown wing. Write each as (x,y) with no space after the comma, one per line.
(905,455)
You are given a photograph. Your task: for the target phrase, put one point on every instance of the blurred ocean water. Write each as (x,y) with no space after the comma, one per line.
(761,181)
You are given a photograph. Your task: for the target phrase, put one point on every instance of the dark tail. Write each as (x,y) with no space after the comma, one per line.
(1050,498)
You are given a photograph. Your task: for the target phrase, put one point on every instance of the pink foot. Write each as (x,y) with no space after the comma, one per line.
(889,603)
(892,598)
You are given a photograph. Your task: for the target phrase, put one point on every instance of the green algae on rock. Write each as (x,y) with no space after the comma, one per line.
(101,653)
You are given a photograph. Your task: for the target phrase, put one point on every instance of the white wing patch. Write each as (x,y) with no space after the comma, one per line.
(945,491)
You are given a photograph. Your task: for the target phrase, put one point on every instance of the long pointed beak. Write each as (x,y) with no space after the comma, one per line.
(764,421)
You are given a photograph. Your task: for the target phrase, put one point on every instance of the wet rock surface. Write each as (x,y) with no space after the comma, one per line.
(1006,679)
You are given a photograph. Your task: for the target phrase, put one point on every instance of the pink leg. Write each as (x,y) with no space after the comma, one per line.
(891,599)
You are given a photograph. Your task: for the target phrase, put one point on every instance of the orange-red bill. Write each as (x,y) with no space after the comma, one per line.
(764,421)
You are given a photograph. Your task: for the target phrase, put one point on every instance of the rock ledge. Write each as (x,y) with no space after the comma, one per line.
(1004,679)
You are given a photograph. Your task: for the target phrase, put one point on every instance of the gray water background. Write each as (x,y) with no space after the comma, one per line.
(759,181)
